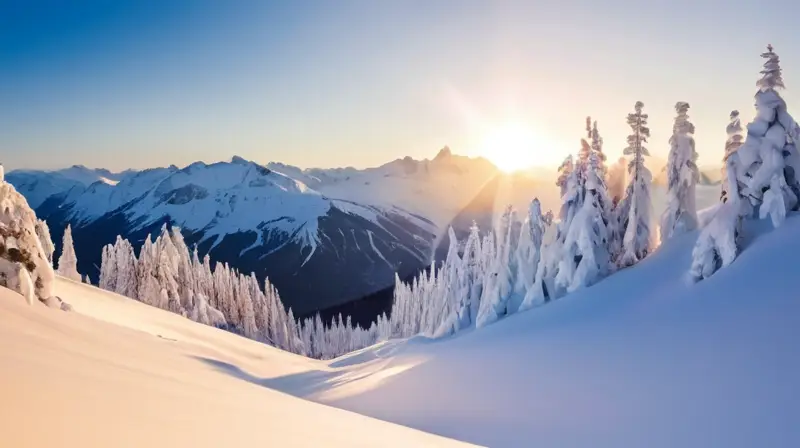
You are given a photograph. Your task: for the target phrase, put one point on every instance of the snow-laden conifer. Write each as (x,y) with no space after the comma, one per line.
(586,244)
(717,245)
(732,144)
(68,261)
(24,264)
(680,215)
(637,240)
(768,160)
(43,232)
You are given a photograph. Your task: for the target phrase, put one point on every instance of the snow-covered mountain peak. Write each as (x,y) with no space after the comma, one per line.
(239,160)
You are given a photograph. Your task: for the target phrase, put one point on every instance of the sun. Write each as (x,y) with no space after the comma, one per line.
(514,146)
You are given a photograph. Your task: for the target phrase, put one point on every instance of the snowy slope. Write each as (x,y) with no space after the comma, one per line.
(641,359)
(127,375)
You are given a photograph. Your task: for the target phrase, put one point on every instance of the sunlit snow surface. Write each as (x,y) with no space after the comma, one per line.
(117,373)
(643,358)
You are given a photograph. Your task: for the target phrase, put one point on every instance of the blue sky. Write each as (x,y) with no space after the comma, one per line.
(137,84)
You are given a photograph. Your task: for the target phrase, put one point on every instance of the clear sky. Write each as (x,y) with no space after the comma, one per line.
(121,84)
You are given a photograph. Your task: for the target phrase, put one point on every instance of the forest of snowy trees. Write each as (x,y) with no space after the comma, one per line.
(167,275)
(527,259)
(599,231)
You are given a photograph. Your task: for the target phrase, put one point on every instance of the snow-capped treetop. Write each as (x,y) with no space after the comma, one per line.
(594,181)
(583,158)
(735,135)
(682,124)
(682,176)
(771,74)
(640,132)
(597,146)
(571,195)
(564,172)
(638,123)
(637,206)
(43,232)
(68,261)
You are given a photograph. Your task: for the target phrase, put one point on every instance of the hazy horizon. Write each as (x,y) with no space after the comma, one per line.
(655,161)
(311,84)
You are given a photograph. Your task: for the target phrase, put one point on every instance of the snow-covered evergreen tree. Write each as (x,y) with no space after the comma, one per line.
(718,243)
(473,278)
(108,268)
(637,240)
(500,282)
(735,140)
(682,176)
(148,290)
(597,147)
(769,161)
(586,245)
(24,264)
(43,232)
(68,261)
(529,251)
(126,282)
(185,273)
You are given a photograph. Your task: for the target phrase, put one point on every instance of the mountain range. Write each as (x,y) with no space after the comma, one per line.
(324,237)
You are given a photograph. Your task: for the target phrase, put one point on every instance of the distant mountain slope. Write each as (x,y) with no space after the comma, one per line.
(337,238)
(436,189)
